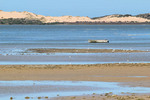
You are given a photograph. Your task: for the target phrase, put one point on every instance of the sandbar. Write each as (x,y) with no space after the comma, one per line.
(123,72)
(44,50)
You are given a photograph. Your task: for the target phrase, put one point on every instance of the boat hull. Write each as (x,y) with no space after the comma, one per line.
(98,41)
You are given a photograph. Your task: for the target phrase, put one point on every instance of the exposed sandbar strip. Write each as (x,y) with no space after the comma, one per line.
(138,73)
(83,50)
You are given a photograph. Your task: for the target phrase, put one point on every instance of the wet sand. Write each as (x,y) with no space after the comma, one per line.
(129,73)
(83,51)
(69,90)
(107,96)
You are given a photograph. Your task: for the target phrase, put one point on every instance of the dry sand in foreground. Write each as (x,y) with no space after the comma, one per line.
(83,51)
(99,72)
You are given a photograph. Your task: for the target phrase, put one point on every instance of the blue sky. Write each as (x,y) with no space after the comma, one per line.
(91,8)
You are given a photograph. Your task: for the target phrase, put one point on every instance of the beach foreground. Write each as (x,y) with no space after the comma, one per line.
(107,96)
(126,74)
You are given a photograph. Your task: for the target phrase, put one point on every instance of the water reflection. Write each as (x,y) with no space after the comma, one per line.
(21,89)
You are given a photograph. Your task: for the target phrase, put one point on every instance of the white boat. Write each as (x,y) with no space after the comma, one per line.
(98,41)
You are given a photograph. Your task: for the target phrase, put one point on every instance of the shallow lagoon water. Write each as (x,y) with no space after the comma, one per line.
(61,63)
(75,58)
(74,36)
(62,88)
(15,39)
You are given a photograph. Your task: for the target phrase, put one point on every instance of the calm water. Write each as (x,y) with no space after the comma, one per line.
(15,39)
(21,89)
(75,36)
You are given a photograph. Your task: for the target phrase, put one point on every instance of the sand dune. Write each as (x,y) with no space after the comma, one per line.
(50,19)
(46,19)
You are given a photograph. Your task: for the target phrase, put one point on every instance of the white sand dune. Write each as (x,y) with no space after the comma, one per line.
(50,19)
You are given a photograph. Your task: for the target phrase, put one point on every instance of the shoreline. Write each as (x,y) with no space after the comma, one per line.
(82,24)
(102,24)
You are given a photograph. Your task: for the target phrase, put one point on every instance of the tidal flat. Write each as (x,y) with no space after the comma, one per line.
(56,62)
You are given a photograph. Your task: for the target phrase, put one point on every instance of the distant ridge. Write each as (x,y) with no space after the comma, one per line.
(146,16)
(31,18)
(115,15)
